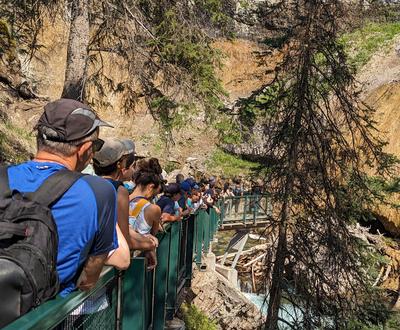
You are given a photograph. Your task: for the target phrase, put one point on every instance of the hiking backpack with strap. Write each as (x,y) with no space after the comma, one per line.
(29,244)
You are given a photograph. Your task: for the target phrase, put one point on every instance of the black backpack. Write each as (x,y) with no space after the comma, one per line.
(29,244)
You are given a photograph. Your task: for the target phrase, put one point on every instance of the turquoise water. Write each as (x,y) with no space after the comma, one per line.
(288,312)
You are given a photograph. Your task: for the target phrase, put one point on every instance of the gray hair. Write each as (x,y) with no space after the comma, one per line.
(64,149)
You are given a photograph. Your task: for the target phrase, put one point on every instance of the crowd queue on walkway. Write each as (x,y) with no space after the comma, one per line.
(97,219)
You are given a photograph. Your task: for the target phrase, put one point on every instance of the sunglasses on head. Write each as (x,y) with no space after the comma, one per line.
(97,145)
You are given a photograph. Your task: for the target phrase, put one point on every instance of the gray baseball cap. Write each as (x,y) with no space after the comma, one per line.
(111,152)
(129,146)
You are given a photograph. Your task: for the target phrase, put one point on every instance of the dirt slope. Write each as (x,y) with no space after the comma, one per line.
(381,80)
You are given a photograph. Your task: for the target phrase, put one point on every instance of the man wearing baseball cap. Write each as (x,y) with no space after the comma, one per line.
(114,163)
(67,137)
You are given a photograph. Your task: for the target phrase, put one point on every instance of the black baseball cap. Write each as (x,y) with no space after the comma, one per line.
(69,119)
(172,188)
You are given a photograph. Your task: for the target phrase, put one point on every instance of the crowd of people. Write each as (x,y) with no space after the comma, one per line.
(103,217)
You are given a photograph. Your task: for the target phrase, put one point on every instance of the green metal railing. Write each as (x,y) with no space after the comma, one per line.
(206,226)
(135,299)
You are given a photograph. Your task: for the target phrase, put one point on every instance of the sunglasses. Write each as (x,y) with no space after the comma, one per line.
(97,145)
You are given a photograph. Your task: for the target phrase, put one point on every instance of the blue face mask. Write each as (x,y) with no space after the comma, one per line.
(130,186)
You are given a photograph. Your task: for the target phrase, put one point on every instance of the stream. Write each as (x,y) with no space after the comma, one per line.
(287,312)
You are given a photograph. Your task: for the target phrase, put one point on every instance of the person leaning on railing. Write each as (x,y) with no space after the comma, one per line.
(114,163)
(144,217)
(186,191)
(67,137)
(167,203)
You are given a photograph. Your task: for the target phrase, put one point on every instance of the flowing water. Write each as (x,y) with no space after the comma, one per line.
(288,312)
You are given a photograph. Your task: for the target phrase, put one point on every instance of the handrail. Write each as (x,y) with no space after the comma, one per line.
(144,299)
(52,312)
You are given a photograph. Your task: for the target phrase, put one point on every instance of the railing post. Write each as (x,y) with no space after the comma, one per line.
(190,249)
(213,220)
(134,296)
(206,225)
(244,209)
(199,235)
(215,223)
(160,285)
(223,208)
(173,269)
(255,206)
(120,298)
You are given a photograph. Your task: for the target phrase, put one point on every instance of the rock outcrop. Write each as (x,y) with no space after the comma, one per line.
(223,303)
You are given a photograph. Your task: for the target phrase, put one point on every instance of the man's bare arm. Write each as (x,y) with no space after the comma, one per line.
(91,272)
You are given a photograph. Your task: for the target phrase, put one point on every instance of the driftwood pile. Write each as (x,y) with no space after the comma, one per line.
(389,275)
(250,265)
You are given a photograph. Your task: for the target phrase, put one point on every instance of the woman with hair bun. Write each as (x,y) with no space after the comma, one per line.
(144,217)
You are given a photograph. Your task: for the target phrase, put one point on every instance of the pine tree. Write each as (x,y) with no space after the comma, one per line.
(322,148)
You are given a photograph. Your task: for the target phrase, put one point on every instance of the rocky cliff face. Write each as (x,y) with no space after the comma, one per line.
(379,80)
(25,85)
(240,74)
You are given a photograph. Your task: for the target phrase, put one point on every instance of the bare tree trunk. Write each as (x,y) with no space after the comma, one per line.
(275,294)
(77,54)
(276,286)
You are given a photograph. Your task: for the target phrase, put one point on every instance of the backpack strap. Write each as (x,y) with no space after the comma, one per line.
(4,184)
(54,187)
(138,207)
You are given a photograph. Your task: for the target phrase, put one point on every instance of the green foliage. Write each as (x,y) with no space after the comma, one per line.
(171,166)
(167,112)
(215,9)
(13,143)
(195,319)
(229,165)
(362,43)
(393,186)
(237,128)
(391,321)
(228,130)
(7,43)
(276,42)
(186,47)
(258,106)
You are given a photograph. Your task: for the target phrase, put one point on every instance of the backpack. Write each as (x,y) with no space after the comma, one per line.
(29,244)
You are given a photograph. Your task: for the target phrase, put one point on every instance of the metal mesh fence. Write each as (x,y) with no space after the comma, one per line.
(99,311)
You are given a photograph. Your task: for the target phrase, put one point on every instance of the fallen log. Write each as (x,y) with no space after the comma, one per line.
(255,260)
